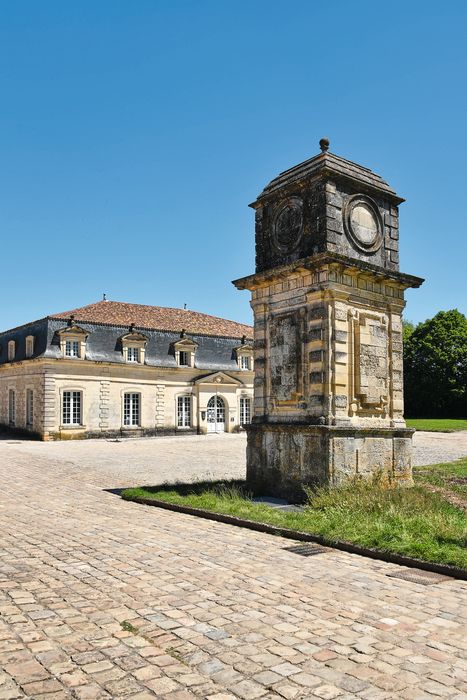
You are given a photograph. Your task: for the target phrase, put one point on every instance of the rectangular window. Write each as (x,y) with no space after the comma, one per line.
(72,348)
(11,350)
(244,362)
(131,410)
(245,411)
(29,407)
(29,346)
(133,354)
(71,413)
(184,412)
(184,358)
(12,407)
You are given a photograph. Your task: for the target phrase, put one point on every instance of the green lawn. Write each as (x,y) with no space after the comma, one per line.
(451,476)
(437,425)
(415,522)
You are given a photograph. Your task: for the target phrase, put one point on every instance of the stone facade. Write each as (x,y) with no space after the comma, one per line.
(169,393)
(327,298)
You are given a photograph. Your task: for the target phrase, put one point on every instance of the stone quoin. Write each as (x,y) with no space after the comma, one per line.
(327,298)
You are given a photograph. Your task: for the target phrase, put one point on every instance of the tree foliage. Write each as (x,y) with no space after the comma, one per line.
(407,329)
(435,367)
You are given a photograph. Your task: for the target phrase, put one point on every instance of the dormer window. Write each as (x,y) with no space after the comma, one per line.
(184,359)
(132,354)
(72,341)
(245,362)
(11,350)
(134,346)
(29,346)
(185,350)
(244,353)
(72,348)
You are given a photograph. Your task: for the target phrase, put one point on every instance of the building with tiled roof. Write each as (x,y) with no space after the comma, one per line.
(159,318)
(117,369)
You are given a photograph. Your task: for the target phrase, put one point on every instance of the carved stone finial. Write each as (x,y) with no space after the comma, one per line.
(71,319)
(324,144)
(243,339)
(132,327)
(183,333)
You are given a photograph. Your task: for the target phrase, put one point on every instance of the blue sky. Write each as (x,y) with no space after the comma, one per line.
(134,134)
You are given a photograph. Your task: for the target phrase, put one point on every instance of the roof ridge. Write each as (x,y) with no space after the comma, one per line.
(146,328)
(61,314)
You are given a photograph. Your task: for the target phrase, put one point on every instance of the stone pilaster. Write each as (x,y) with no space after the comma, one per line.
(160,405)
(104,404)
(49,406)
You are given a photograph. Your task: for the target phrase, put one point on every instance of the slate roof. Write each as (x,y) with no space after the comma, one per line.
(156,318)
(334,165)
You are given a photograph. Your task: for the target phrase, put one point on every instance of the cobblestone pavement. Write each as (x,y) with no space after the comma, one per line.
(155,460)
(100,598)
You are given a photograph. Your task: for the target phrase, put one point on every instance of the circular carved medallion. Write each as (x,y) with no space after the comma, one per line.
(288,225)
(363,223)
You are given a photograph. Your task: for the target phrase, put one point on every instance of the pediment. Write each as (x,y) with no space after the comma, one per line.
(185,343)
(72,329)
(218,379)
(244,349)
(134,337)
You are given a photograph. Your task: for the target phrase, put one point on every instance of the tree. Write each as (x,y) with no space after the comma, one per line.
(407,329)
(435,367)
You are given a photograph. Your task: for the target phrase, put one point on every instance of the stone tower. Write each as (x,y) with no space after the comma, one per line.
(327,298)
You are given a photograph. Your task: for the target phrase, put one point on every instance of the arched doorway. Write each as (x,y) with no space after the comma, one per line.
(216,415)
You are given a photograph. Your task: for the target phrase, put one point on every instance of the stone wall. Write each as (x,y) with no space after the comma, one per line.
(285,459)
(103,386)
(328,347)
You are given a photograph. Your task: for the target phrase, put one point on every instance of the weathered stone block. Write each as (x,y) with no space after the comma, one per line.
(286,459)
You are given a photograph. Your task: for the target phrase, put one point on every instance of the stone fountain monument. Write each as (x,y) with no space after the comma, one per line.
(327,297)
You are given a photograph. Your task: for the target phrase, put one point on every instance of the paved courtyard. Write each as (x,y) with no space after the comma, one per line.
(114,463)
(105,599)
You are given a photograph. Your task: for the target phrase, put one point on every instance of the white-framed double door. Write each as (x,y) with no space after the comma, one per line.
(216,415)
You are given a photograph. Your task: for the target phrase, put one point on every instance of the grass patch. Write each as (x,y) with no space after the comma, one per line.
(414,522)
(437,425)
(128,627)
(450,477)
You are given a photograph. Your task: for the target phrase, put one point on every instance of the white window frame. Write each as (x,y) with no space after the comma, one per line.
(133,354)
(184,411)
(245,362)
(131,410)
(69,336)
(72,348)
(72,414)
(185,350)
(245,358)
(29,408)
(11,350)
(11,407)
(245,410)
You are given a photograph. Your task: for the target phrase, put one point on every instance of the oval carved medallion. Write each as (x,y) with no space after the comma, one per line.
(288,225)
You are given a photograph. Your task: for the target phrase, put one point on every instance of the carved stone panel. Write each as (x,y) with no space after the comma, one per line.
(288,225)
(371,362)
(285,358)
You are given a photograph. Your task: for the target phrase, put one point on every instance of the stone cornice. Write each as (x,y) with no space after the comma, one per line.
(323,260)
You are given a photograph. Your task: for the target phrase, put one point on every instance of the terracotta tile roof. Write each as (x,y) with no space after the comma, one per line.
(119,313)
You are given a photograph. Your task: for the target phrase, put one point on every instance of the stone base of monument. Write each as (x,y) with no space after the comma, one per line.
(284,458)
